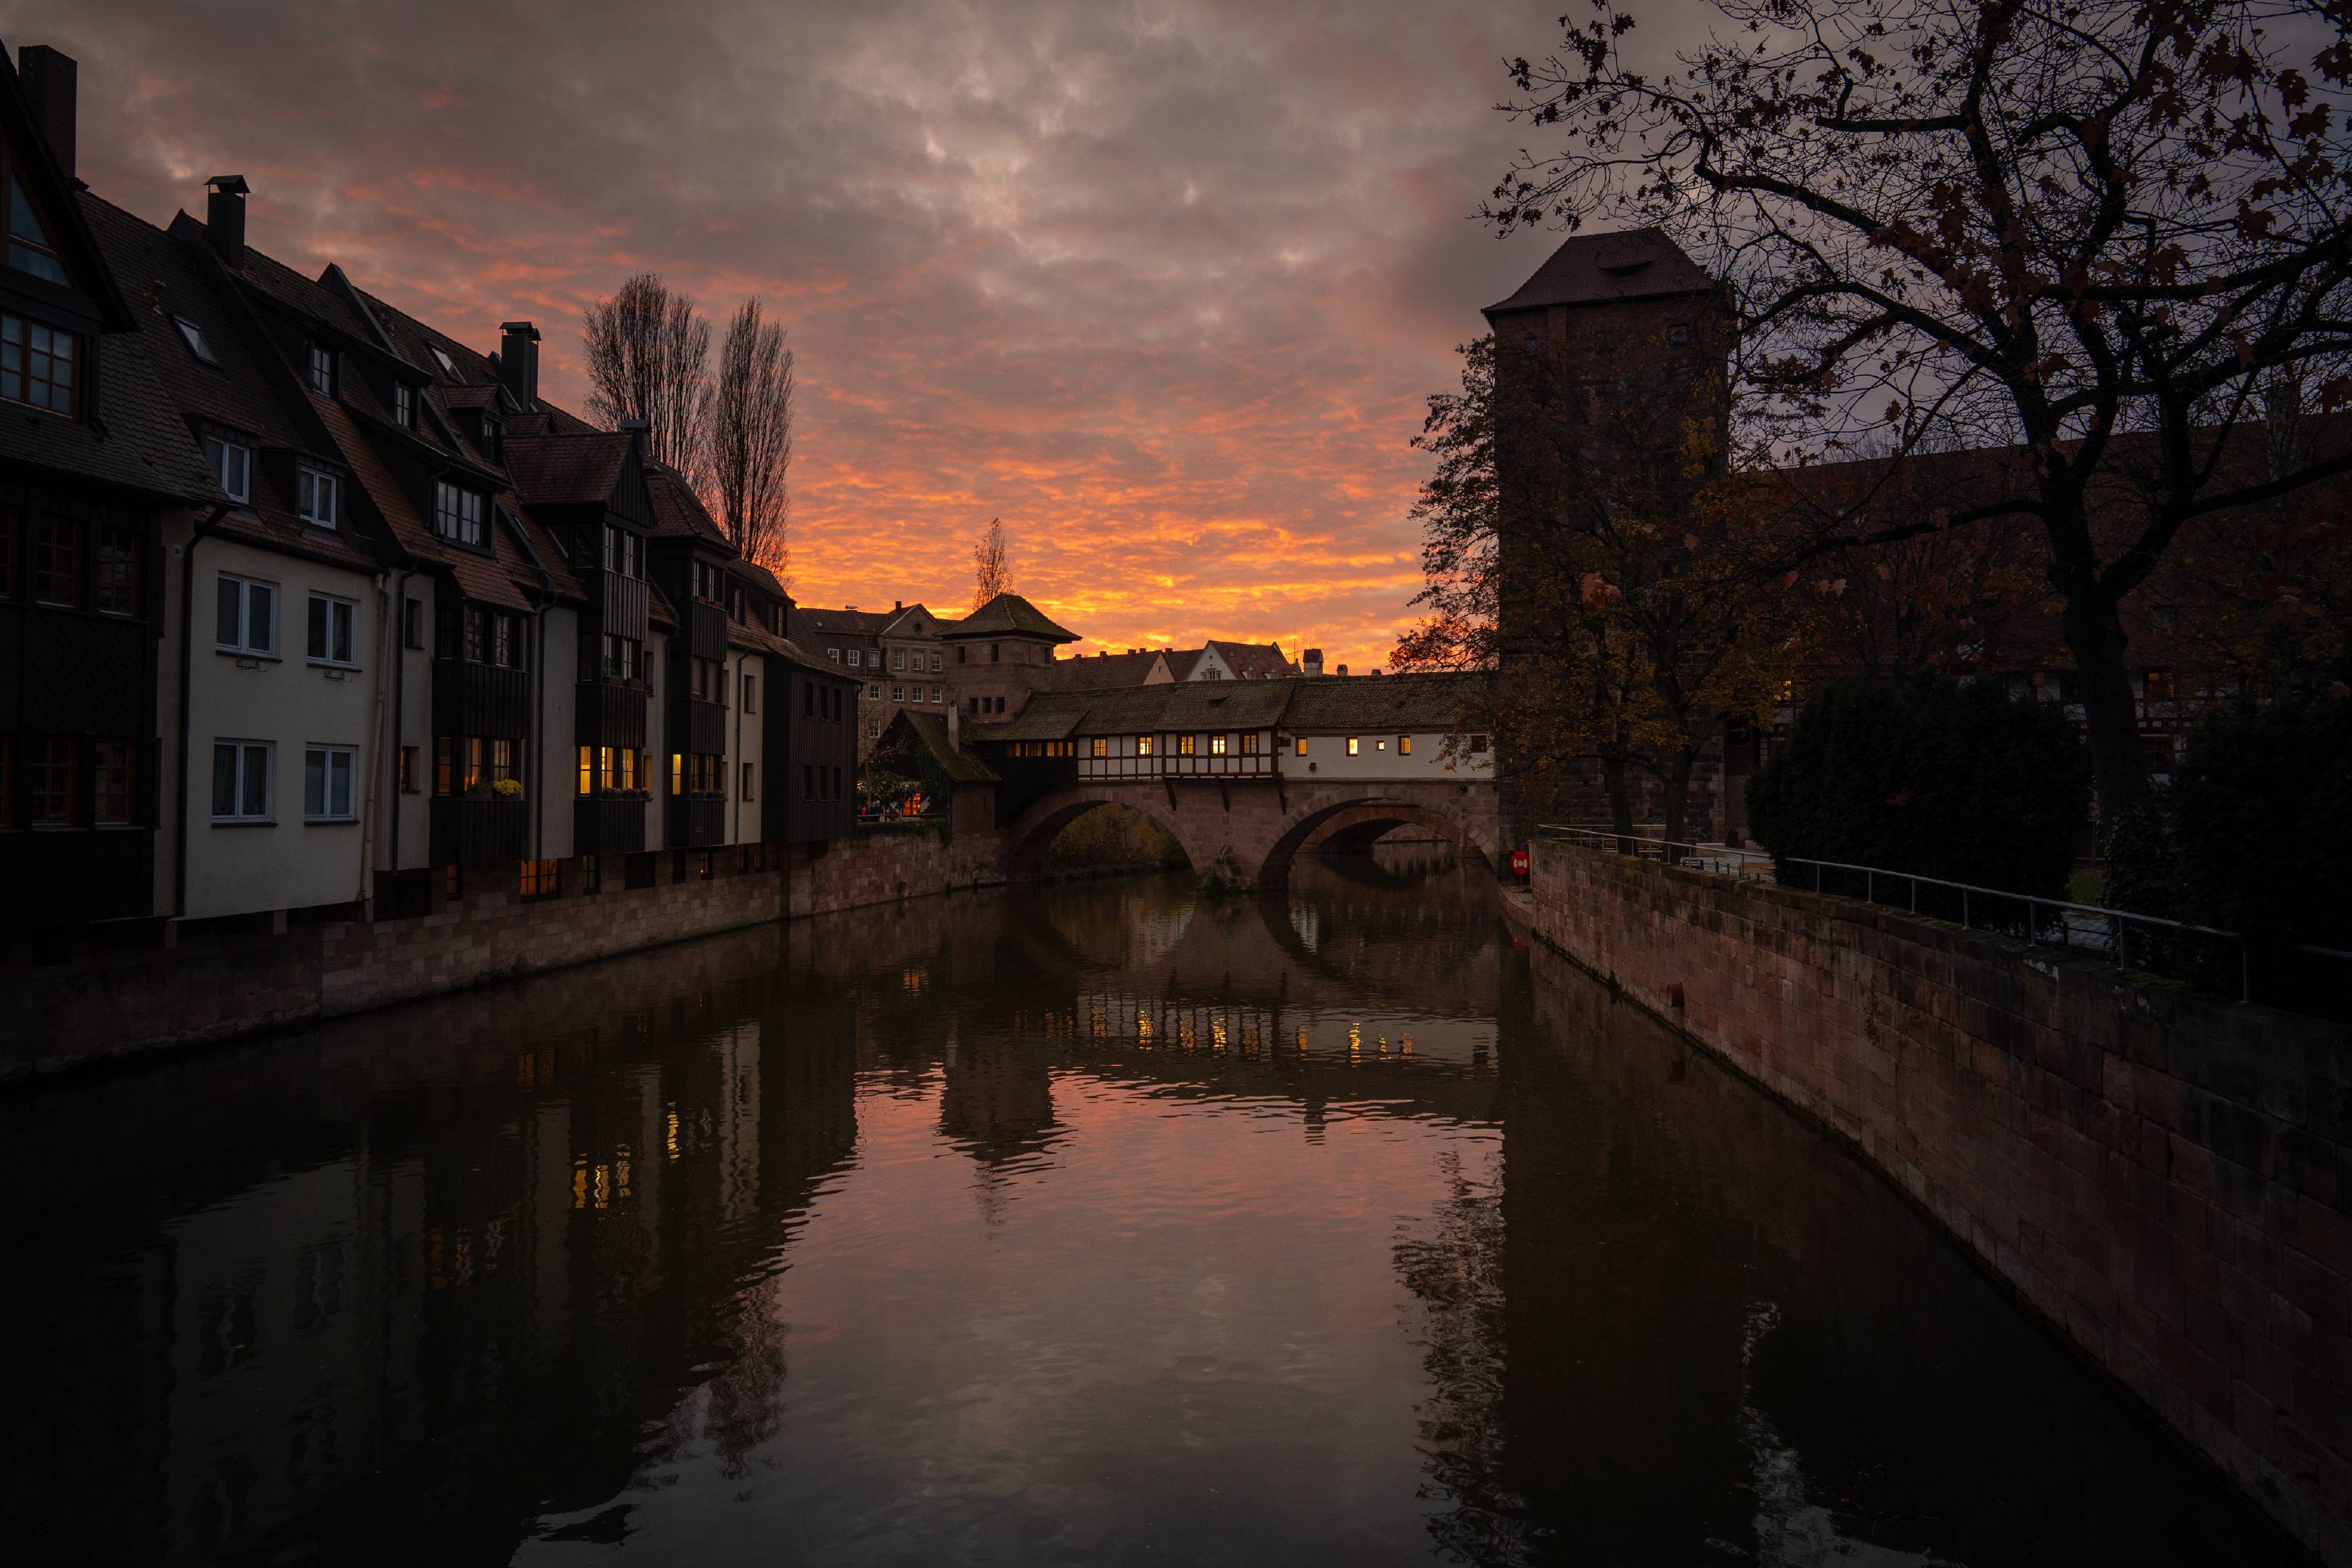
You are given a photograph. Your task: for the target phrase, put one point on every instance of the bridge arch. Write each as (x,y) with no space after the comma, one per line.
(1031,835)
(1370,817)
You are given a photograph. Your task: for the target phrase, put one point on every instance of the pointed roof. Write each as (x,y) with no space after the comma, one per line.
(1602,268)
(1100,672)
(1008,615)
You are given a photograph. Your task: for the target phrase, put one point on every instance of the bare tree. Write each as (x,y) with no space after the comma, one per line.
(648,349)
(991,561)
(750,436)
(2080,237)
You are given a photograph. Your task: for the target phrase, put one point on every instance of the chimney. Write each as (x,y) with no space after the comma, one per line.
(1311,661)
(955,728)
(48,78)
(1343,669)
(639,432)
(224,216)
(898,604)
(518,361)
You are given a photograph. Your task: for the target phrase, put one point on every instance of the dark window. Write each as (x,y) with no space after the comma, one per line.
(231,461)
(444,765)
(111,767)
(198,344)
(506,642)
(592,874)
(119,577)
(403,403)
(412,622)
(245,616)
(315,497)
(30,248)
(39,365)
(11,527)
(409,768)
(322,369)
(747,781)
(334,627)
(1678,334)
(56,561)
(458,513)
(240,781)
(53,776)
(477,636)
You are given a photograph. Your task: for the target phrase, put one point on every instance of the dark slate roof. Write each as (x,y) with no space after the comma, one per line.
(807,620)
(767,581)
(1008,615)
(930,729)
(567,470)
(301,295)
(678,512)
(1597,268)
(1381,701)
(1100,672)
(1253,660)
(1183,661)
(136,439)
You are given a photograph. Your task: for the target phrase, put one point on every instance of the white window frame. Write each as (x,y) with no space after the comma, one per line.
(471,524)
(219,450)
(328,757)
(245,643)
(834,654)
(350,617)
(322,364)
(404,404)
(318,496)
(198,344)
(247,751)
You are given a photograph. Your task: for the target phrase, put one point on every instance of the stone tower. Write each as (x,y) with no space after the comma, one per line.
(1608,361)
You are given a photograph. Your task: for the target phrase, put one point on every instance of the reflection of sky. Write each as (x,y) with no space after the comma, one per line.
(1179,1325)
(1161,284)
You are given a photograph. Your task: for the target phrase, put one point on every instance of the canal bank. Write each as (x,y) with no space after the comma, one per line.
(220,980)
(2163,1176)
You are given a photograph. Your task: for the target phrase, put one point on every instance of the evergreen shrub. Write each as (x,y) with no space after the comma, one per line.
(1931,775)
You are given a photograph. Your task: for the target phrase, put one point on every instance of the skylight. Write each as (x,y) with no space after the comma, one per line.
(198,344)
(449,366)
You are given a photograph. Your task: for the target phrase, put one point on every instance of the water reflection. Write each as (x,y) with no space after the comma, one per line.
(1098,1225)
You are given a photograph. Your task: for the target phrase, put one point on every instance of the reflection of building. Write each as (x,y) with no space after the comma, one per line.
(479,1287)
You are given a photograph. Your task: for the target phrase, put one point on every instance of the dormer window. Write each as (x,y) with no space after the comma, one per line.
(404,404)
(458,513)
(322,368)
(30,249)
(231,461)
(493,435)
(316,494)
(39,365)
(198,344)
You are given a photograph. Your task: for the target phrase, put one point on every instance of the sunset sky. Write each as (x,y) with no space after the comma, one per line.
(1161,284)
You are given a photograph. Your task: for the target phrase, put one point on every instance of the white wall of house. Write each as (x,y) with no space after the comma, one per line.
(285,703)
(411,694)
(747,717)
(555,663)
(1381,756)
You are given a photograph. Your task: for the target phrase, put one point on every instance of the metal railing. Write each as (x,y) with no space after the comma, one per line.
(2091,928)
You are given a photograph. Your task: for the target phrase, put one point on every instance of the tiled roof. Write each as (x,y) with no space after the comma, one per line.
(931,730)
(1420,702)
(752,570)
(807,619)
(301,294)
(1100,672)
(1253,660)
(677,512)
(1381,701)
(567,470)
(1595,268)
(1183,661)
(1008,615)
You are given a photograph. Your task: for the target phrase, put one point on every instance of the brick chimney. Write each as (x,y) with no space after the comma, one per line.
(224,216)
(518,361)
(48,78)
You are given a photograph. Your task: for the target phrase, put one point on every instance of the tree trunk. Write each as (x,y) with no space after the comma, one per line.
(2095,634)
(1620,802)
(1676,781)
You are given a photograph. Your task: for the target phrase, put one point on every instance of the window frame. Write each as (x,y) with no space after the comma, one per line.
(217,446)
(327,755)
(311,481)
(114,542)
(74,765)
(97,770)
(470,525)
(333,602)
(319,364)
(199,342)
(73,360)
(246,749)
(245,647)
(41,246)
(37,571)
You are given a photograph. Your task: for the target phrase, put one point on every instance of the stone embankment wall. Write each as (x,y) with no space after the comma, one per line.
(2167,1177)
(218,983)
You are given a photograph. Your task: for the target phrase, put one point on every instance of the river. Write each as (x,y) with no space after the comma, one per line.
(1096,1224)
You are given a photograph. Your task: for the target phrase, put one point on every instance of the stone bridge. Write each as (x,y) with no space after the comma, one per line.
(1244,773)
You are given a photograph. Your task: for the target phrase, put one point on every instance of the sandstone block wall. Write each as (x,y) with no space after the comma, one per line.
(2167,1177)
(220,984)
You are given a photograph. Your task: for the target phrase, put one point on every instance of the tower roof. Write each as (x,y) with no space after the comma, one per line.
(1008,615)
(1602,268)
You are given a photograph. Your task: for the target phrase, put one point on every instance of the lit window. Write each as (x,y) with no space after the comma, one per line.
(198,344)
(334,627)
(326,783)
(1217,744)
(458,513)
(241,781)
(38,364)
(1301,743)
(1404,745)
(232,464)
(1380,745)
(537,878)
(30,248)
(247,617)
(1100,746)
(1249,743)
(314,497)
(1355,747)
(1143,745)
(1186,745)
(322,368)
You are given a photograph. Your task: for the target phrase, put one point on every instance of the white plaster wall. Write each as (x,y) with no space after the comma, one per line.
(1427,763)
(287,700)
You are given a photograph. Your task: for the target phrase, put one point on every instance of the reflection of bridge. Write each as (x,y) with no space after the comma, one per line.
(1244,775)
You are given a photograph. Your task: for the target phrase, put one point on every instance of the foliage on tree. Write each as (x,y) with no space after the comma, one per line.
(1596,554)
(2103,241)
(648,349)
(2263,825)
(991,561)
(1933,776)
(750,436)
